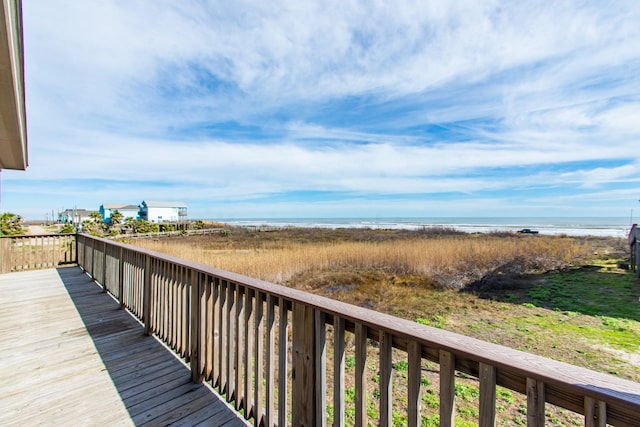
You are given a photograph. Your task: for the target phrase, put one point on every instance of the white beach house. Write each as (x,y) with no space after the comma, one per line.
(74,216)
(163,211)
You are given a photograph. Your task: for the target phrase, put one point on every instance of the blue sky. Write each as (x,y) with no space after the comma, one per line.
(332,108)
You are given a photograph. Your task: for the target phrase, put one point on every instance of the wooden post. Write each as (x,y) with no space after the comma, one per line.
(5,255)
(303,387)
(194,311)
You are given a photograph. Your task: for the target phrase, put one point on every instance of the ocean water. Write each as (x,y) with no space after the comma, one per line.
(571,226)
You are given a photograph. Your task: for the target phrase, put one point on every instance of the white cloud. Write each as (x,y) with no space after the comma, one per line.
(251,99)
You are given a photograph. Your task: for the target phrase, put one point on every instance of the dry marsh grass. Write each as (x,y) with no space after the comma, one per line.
(448,262)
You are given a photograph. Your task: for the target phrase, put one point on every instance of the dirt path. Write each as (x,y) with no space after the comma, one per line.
(37,229)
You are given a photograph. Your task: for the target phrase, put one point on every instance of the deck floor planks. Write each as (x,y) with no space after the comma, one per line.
(202,415)
(70,356)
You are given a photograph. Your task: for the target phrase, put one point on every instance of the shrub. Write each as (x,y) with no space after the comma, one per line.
(10,224)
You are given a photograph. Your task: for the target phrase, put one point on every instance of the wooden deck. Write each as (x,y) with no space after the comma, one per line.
(69,356)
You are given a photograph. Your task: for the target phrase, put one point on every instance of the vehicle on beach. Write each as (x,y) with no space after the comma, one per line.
(528,231)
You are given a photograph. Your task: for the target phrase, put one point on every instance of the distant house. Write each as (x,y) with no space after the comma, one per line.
(163,211)
(74,216)
(127,211)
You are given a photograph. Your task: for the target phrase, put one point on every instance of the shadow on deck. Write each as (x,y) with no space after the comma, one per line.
(153,384)
(52,375)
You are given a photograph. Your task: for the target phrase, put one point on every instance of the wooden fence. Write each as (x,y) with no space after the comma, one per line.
(279,354)
(31,252)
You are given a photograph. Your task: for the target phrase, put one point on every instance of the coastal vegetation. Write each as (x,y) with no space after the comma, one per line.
(561,297)
(11,224)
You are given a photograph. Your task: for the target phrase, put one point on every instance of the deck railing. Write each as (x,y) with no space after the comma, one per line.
(31,252)
(278,354)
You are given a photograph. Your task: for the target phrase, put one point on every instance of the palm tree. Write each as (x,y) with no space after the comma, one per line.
(116,217)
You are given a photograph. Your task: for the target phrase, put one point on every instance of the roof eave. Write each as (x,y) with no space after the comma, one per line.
(13,123)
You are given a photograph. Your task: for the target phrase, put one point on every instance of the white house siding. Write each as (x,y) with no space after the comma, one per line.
(163,211)
(162,214)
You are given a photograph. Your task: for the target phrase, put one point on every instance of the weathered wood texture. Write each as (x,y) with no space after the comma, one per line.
(69,356)
(32,252)
(232,332)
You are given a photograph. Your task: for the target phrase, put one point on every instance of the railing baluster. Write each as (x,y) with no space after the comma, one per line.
(249,341)
(216,350)
(321,369)
(182,311)
(209,334)
(160,297)
(178,277)
(194,353)
(414,374)
(121,277)
(535,403)
(163,308)
(223,347)
(270,362)
(168,303)
(338,371)
(447,388)
(182,279)
(183,331)
(240,347)
(303,390)
(487,395)
(104,267)
(231,334)
(259,360)
(595,412)
(360,375)
(386,377)
(146,305)
(283,346)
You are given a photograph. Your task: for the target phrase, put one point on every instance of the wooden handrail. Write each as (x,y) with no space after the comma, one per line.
(226,324)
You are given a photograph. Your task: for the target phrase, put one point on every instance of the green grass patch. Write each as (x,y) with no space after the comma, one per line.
(599,289)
